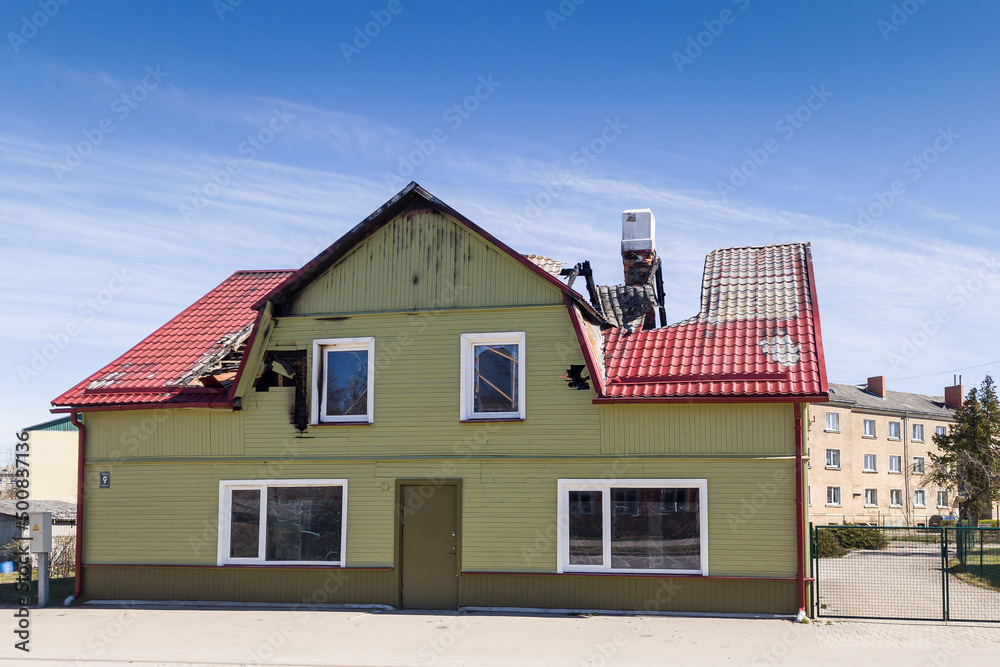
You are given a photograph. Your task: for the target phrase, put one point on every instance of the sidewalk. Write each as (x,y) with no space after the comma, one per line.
(156,636)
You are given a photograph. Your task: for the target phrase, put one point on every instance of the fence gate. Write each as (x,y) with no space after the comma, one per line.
(907,573)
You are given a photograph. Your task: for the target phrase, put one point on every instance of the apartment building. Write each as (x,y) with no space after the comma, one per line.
(870,451)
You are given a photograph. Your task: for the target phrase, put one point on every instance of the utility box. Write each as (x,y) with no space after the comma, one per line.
(40,532)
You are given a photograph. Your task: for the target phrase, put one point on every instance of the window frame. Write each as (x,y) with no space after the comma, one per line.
(319,349)
(864,428)
(864,463)
(898,492)
(898,428)
(920,470)
(874,497)
(913,432)
(940,430)
(226,486)
(899,464)
(605,486)
(946,504)
(921,491)
(837,502)
(832,466)
(467,383)
(826,422)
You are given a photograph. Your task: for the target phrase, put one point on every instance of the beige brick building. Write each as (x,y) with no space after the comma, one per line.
(869,453)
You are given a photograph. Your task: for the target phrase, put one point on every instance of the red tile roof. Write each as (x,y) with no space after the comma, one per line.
(757,335)
(163,367)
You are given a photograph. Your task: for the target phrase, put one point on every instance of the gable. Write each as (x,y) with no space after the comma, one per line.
(422,259)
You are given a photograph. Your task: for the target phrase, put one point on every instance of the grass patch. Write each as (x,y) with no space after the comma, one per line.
(59,589)
(986,576)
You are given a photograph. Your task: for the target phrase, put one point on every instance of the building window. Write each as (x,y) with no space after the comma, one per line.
(869,465)
(918,465)
(833,496)
(343,372)
(833,458)
(940,430)
(282,522)
(868,428)
(895,497)
(636,525)
(918,432)
(920,498)
(492,383)
(809,494)
(833,422)
(894,430)
(871,497)
(942,499)
(895,465)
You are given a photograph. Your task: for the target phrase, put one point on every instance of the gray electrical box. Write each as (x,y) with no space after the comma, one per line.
(40,532)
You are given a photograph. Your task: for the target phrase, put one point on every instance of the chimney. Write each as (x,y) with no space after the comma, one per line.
(955,394)
(638,245)
(876,385)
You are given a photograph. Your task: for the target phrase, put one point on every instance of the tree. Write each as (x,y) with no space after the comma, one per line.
(969,461)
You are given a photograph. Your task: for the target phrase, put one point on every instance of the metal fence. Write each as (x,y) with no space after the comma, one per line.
(907,573)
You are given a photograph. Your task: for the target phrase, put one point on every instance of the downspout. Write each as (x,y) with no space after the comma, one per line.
(800,578)
(80,459)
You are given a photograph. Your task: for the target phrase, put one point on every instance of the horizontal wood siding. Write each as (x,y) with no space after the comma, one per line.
(120,435)
(422,259)
(679,594)
(241,584)
(728,428)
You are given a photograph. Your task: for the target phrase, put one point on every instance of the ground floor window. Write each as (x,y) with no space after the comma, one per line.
(293,521)
(637,525)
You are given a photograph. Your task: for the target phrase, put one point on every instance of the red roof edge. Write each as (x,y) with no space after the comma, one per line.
(596,374)
(818,330)
(384,214)
(774,398)
(114,407)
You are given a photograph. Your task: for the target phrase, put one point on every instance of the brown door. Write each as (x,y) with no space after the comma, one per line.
(429,546)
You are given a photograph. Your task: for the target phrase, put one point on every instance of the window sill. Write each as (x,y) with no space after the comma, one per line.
(868,437)
(870,471)
(834,505)
(895,472)
(833,467)
(922,507)
(894,439)
(827,430)
(480,420)
(915,440)
(363,422)
(896,506)
(871,506)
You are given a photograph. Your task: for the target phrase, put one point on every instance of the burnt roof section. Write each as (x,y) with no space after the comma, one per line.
(626,305)
(894,401)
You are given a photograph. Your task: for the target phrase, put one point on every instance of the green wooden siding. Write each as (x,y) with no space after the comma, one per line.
(726,428)
(422,259)
(131,434)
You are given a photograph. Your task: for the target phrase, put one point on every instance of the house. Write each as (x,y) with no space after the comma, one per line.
(53,460)
(870,452)
(422,417)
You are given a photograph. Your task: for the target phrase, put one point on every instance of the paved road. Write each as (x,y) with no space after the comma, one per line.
(903,581)
(153,636)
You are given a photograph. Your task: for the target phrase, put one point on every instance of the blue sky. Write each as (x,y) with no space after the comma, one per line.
(868,128)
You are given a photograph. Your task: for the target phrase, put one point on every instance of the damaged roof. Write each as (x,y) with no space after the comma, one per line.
(167,366)
(757,335)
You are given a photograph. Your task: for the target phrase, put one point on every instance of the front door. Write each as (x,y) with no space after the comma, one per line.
(429,546)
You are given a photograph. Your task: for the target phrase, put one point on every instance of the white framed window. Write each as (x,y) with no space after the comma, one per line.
(833,496)
(633,525)
(343,380)
(918,465)
(894,431)
(869,464)
(895,465)
(942,499)
(920,498)
(868,428)
(871,497)
(918,432)
(809,494)
(492,383)
(282,522)
(833,422)
(833,459)
(895,497)
(940,430)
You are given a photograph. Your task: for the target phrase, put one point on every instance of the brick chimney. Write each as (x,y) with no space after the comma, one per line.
(876,385)
(955,394)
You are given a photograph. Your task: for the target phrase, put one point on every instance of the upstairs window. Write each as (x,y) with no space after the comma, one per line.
(868,428)
(869,464)
(940,430)
(896,464)
(833,458)
(918,465)
(894,430)
(942,499)
(833,496)
(871,497)
(492,383)
(832,422)
(895,497)
(343,373)
(918,432)
(920,498)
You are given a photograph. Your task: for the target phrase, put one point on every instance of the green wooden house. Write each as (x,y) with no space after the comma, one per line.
(421,417)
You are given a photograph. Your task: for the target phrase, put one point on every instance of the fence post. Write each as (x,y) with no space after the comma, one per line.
(944,572)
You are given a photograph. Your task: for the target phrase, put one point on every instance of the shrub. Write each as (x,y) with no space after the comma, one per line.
(827,545)
(858,537)
(949,523)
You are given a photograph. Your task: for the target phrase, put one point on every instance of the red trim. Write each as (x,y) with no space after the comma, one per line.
(799,511)
(238,567)
(137,406)
(596,374)
(817,329)
(80,463)
(818,398)
(717,377)
(490,421)
(626,574)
